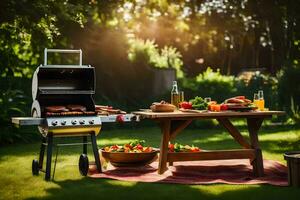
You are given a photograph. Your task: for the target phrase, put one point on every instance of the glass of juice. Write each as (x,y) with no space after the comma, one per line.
(261,100)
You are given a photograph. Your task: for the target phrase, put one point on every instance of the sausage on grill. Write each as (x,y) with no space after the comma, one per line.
(78,108)
(56,109)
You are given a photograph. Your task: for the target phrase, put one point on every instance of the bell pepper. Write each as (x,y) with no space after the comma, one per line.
(209,107)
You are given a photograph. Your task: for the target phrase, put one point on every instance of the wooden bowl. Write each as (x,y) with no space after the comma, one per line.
(121,159)
(163,108)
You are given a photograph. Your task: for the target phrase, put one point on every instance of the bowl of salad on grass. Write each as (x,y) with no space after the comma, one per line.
(134,153)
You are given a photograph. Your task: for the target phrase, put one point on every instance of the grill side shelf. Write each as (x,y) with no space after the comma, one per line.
(113,118)
(28,121)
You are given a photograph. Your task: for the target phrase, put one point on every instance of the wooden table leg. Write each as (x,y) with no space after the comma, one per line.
(163,155)
(234,132)
(253,126)
(176,127)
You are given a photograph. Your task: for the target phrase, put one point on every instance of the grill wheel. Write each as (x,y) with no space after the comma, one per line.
(83,164)
(35,167)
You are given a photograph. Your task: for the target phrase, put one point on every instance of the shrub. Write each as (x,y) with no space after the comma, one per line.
(210,84)
(148,53)
(13,102)
(289,91)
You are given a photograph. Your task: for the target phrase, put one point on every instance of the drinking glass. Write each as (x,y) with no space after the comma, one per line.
(261,100)
(261,94)
(181,96)
(256,99)
(207,99)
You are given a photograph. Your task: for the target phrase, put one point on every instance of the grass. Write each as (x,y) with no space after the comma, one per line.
(16,181)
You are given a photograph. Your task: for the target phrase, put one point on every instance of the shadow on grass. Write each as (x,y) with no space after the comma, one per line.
(87,188)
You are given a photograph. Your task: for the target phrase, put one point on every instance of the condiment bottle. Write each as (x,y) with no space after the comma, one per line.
(175,97)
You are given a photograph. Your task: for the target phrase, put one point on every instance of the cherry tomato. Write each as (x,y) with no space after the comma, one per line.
(140,147)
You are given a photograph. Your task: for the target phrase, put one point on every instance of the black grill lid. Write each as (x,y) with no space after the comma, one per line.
(63,84)
(63,80)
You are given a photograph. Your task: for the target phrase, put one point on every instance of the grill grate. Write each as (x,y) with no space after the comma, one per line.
(65,114)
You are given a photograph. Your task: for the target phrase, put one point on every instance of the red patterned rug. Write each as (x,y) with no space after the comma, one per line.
(199,172)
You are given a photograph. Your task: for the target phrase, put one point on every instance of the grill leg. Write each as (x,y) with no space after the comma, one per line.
(42,153)
(96,153)
(49,157)
(85,145)
(55,161)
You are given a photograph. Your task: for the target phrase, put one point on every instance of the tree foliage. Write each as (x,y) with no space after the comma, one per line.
(188,35)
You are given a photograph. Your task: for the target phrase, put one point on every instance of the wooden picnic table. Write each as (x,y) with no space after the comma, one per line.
(172,123)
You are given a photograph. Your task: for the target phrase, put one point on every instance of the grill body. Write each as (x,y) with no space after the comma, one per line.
(62,85)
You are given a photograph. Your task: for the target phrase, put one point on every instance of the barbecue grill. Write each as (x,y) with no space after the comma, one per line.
(63,106)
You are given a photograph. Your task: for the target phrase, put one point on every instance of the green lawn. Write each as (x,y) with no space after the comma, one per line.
(16,181)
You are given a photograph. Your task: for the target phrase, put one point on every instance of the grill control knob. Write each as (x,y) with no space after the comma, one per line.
(74,121)
(91,121)
(81,121)
(54,123)
(63,122)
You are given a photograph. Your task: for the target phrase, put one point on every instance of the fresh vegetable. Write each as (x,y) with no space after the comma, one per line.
(215,107)
(210,104)
(135,146)
(186,105)
(198,103)
(120,118)
(183,148)
(224,107)
(171,147)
